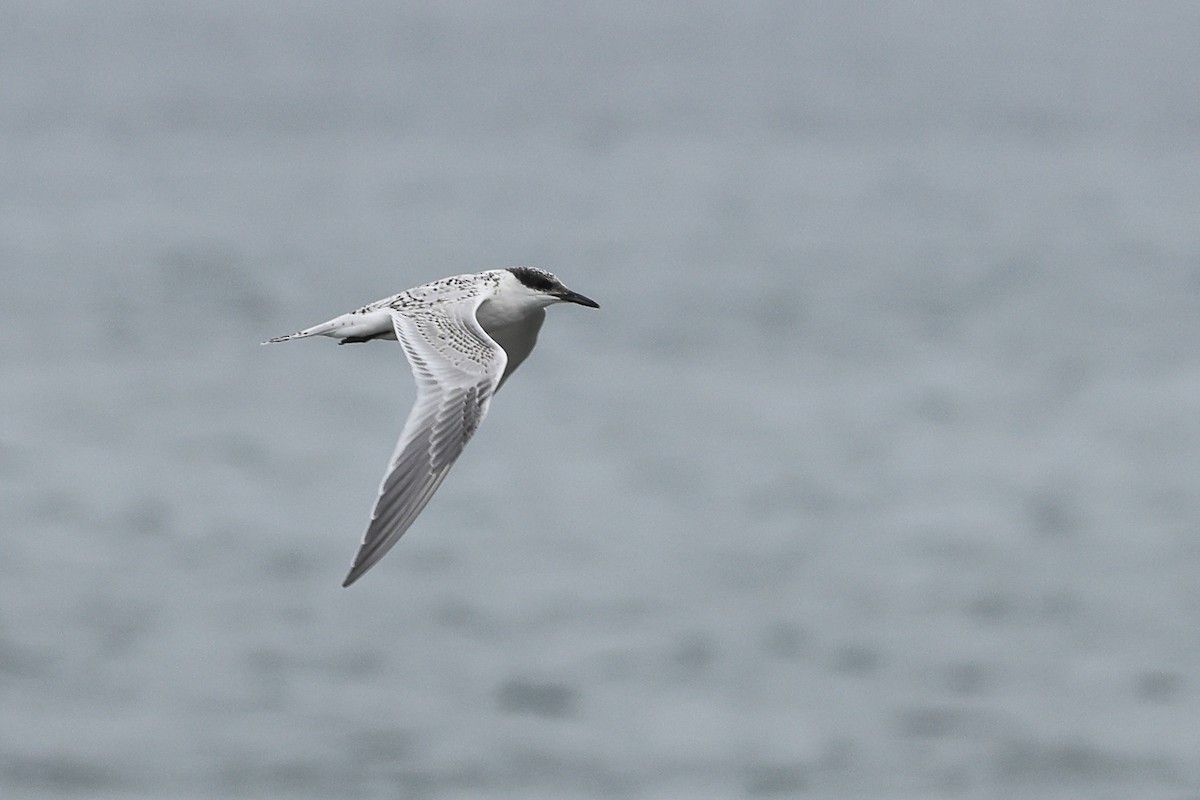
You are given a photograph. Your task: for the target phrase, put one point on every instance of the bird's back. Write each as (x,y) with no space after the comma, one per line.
(447,291)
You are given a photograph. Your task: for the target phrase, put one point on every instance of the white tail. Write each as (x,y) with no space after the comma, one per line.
(356,324)
(316,330)
(278,339)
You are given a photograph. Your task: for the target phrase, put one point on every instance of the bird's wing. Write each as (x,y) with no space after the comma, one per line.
(457,367)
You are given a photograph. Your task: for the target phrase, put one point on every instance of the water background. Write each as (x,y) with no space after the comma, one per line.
(875,476)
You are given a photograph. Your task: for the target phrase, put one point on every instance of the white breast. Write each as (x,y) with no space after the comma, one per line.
(516,333)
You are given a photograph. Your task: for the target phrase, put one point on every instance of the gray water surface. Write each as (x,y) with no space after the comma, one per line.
(874,476)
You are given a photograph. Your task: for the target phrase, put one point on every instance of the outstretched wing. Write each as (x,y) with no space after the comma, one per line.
(457,368)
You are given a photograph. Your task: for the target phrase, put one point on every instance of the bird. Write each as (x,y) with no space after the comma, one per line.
(463,336)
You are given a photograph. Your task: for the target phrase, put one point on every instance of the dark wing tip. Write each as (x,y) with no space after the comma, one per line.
(357,571)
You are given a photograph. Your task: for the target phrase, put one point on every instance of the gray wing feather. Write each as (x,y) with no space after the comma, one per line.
(457,367)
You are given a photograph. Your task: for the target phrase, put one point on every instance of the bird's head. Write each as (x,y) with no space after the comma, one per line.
(545,286)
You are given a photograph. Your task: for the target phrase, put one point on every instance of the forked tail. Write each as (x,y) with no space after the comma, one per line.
(316,330)
(357,326)
(278,339)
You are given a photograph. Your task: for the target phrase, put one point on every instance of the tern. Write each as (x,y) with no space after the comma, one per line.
(463,336)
